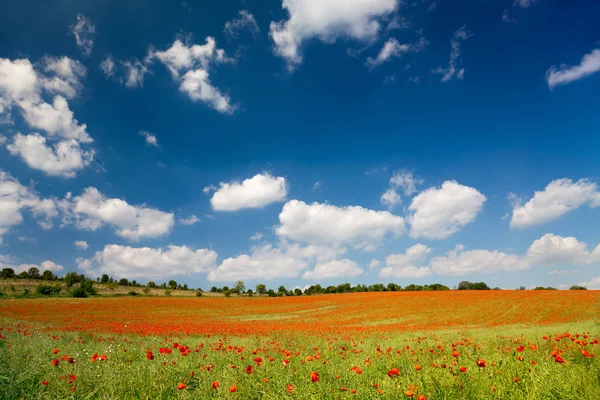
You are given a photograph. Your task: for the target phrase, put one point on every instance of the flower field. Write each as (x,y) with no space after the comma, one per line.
(395,345)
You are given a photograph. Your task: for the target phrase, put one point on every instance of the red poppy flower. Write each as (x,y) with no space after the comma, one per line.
(181,386)
(455,353)
(418,367)
(516,380)
(409,393)
(45,383)
(421,397)
(463,369)
(393,372)
(290,388)
(233,389)
(249,369)
(215,385)
(55,351)
(55,362)
(481,363)
(559,359)
(314,377)
(71,378)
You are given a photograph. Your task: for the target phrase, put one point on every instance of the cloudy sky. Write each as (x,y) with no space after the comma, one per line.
(296,142)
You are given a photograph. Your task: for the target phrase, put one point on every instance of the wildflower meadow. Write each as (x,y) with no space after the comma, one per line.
(425,345)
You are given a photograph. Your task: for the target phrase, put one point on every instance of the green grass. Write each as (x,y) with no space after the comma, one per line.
(25,361)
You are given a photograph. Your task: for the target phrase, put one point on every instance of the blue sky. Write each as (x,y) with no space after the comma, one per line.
(302,142)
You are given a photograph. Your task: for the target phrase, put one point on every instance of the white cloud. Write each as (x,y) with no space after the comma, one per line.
(390,198)
(195,62)
(257,236)
(590,64)
(405,180)
(18,80)
(392,48)
(135,72)
(22,86)
(327,224)
(374,264)
(256,192)
(198,87)
(453,69)
(592,283)
(92,210)
(553,250)
(460,262)
(244,22)
(558,198)
(265,262)
(108,67)
(81,244)
(14,198)
(327,20)
(405,265)
(343,268)
(150,138)
(64,158)
(64,77)
(191,220)
(439,213)
(84,33)
(148,263)
(507,18)
(44,266)
(56,119)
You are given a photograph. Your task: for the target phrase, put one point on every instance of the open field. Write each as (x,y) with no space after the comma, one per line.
(437,345)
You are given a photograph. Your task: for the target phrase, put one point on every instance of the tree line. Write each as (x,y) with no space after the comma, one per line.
(86,286)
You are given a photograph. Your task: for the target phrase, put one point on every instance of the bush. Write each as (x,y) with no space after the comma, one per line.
(79,293)
(47,290)
(575,287)
(167,292)
(146,289)
(132,293)
(199,293)
(227,292)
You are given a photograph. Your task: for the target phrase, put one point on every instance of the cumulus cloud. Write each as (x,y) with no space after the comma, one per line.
(257,236)
(327,224)
(44,266)
(553,250)
(590,64)
(326,20)
(14,198)
(438,213)
(244,22)
(190,66)
(406,265)
(255,192)
(268,262)
(343,268)
(64,158)
(83,31)
(460,262)
(149,137)
(81,244)
(558,198)
(191,220)
(392,48)
(454,69)
(23,87)
(92,210)
(390,198)
(592,283)
(135,72)
(148,263)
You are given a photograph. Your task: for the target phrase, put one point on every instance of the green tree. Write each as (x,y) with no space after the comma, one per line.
(261,289)
(240,287)
(72,278)
(124,282)
(48,276)
(151,284)
(7,273)
(576,287)
(282,290)
(298,292)
(172,285)
(104,278)
(33,273)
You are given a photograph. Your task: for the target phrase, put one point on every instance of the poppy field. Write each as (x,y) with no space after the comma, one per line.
(394,345)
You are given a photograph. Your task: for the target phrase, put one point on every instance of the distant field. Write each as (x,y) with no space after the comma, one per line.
(436,345)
